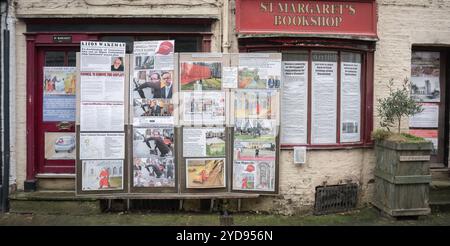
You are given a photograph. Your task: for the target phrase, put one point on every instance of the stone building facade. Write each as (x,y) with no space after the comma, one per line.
(402,26)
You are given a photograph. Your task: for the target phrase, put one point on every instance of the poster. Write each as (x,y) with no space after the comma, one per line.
(425,74)
(428,134)
(153,142)
(350,102)
(102,86)
(153,112)
(323,99)
(201,108)
(102,175)
(428,118)
(102,56)
(260,151)
(203,142)
(60,146)
(254,175)
(149,84)
(230,77)
(259,71)
(256,104)
(201,76)
(294,112)
(205,173)
(102,146)
(255,130)
(101,116)
(59,88)
(153,172)
(154,55)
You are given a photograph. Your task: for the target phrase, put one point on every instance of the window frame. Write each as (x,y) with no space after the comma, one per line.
(365,48)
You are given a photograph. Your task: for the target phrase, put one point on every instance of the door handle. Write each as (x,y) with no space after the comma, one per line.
(64,125)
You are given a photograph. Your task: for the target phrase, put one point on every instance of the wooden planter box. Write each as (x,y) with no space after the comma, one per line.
(402,178)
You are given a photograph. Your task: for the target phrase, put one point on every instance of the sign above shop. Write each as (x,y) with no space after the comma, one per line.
(62,39)
(351,18)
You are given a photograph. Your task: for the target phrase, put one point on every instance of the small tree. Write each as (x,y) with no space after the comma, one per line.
(397,105)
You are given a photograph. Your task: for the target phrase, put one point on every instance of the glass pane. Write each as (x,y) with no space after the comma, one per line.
(295,56)
(187,44)
(72,59)
(54,58)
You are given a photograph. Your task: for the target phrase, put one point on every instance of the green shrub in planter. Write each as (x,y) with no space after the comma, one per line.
(402,174)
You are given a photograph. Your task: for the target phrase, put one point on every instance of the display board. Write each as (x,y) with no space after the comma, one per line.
(256,123)
(101,118)
(176,123)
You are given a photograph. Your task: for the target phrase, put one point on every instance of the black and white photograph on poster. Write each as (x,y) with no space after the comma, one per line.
(204,142)
(199,76)
(425,74)
(295,102)
(156,54)
(154,172)
(254,175)
(102,175)
(149,84)
(60,146)
(153,111)
(258,71)
(102,146)
(260,104)
(258,151)
(205,173)
(102,86)
(201,108)
(153,142)
(102,56)
(428,118)
(255,130)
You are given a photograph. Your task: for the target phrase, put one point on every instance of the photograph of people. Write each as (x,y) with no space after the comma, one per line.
(166,80)
(117,64)
(153,142)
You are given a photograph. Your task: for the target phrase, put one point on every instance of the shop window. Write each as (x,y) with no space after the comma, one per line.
(321,98)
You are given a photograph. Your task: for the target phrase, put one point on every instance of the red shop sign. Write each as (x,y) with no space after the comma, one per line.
(355,18)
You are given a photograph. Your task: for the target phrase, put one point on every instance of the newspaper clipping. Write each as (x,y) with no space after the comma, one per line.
(59,102)
(203,142)
(102,146)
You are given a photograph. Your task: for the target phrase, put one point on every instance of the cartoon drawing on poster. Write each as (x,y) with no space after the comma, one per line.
(154,172)
(205,173)
(60,145)
(149,84)
(260,104)
(201,76)
(255,130)
(425,74)
(102,175)
(203,142)
(254,150)
(153,142)
(102,146)
(254,175)
(59,102)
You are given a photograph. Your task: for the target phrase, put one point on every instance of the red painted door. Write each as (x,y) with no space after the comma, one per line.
(55,108)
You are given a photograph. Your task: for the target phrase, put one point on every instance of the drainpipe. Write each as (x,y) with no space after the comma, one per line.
(6,143)
(226,13)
